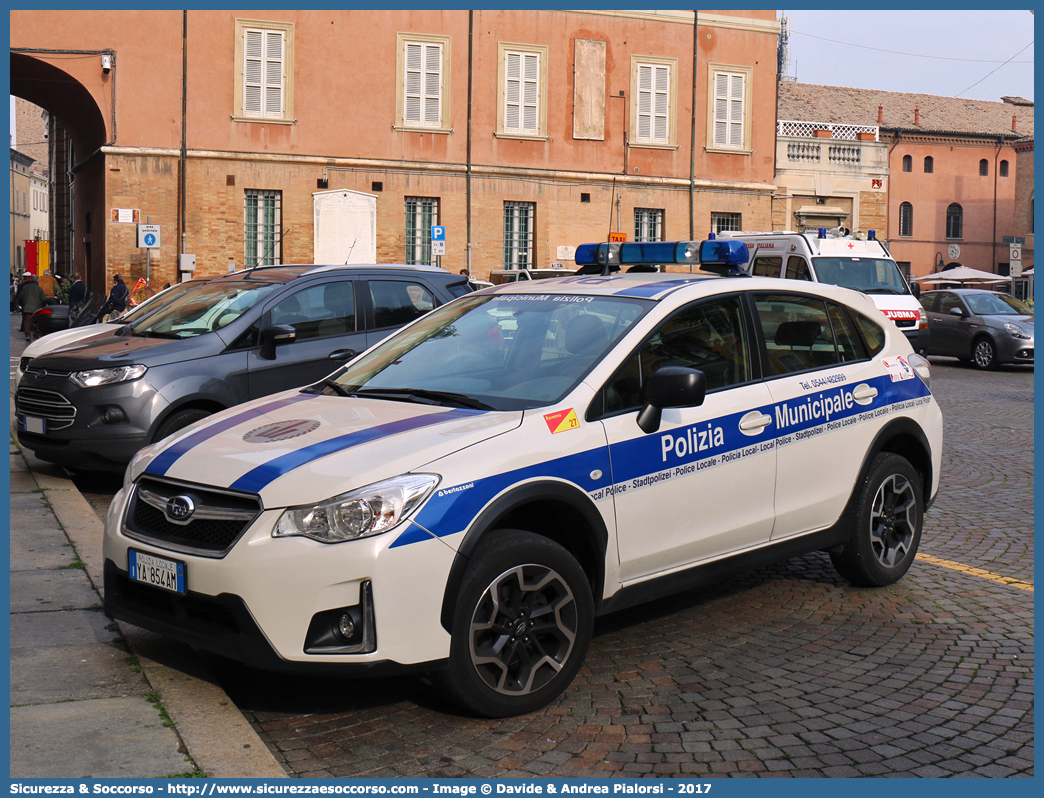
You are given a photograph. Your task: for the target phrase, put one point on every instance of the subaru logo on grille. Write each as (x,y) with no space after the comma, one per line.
(180,508)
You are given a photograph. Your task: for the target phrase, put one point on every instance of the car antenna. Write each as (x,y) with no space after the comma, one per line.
(609,232)
(350,249)
(282,234)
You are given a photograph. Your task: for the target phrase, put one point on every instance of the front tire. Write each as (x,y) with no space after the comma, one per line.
(178,421)
(521,626)
(889,514)
(984,354)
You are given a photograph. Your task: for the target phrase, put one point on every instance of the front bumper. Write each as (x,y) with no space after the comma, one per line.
(79,429)
(260,602)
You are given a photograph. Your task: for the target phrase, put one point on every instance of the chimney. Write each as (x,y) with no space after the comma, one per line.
(917,117)
(880,114)
(1014,127)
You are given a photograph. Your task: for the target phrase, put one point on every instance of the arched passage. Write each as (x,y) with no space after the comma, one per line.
(79,129)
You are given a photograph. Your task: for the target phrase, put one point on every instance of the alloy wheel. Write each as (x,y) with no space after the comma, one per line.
(523,629)
(893,520)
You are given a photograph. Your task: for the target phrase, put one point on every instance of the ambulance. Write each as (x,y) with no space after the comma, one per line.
(862,264)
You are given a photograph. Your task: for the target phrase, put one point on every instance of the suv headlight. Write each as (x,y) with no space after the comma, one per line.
(359,513)
(1017,331)
(134,467)
(96,377)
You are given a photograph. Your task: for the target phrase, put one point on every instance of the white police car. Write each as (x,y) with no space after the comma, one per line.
(465,497)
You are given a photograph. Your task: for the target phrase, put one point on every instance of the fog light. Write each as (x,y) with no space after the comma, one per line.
(113,415)
(346,626)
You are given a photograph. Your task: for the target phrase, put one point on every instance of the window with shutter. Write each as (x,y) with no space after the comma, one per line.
(422,89)
(521,92)
(729,98)
(654,105)
(263,89)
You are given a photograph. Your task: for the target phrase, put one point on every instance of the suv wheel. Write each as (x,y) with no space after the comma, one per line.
(888,517)
(179,421)
(521,626)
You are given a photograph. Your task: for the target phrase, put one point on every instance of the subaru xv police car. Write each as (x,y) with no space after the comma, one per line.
(465,497)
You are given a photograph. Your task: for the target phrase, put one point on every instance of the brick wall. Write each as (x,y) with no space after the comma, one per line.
(215,213)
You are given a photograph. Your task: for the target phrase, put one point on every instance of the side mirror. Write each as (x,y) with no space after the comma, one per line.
(671,386)
(958,311)
(915,289)
(274,336)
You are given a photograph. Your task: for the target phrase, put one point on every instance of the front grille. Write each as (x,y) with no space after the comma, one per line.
(218,519)
(53,407)
(43,372)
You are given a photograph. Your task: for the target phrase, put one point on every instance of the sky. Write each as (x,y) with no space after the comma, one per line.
(946,53)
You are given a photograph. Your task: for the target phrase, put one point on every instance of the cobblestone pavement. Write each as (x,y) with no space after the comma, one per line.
(787,671)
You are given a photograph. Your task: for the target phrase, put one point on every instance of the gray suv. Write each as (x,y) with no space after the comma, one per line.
(93,404)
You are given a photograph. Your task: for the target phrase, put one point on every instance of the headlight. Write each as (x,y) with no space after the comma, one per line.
(358,513)
(1016,331)
(96,377)
(922,368)
(134,466)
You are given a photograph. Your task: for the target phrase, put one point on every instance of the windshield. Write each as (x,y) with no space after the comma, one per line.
(157,301)
(209,307)
(989,304)
(500,352)
(869,275)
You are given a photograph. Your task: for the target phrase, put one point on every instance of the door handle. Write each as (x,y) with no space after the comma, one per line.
(342,354)
(754,422)
(864,393)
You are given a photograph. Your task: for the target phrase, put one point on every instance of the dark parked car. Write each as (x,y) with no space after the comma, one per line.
(981,327)
(234,338)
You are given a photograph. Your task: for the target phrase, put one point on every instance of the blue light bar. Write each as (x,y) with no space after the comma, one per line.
(872,235)
(822,232)
(725,252)
(634,253)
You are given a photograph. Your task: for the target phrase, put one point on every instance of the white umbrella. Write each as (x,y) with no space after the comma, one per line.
(963,274)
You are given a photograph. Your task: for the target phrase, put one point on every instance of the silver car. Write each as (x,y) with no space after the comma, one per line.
(981,327)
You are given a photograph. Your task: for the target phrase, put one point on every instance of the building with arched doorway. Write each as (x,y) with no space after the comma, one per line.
(522,132)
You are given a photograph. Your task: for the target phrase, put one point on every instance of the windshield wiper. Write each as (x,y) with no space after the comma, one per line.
(326,382)
(881,290)
(155,334)
(422,396)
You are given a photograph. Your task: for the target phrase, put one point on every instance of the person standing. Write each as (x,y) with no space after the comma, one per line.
(118,296)
(48,283)
(32,298)
(14,293)
(77,295)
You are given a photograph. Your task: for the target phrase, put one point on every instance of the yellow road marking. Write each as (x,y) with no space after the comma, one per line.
(967,569)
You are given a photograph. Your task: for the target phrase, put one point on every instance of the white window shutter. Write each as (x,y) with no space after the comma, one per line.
(654,107)
(274,73)
(253,55)
(263,73)
(645,102)
(422,93)
(729,88)
(522,92)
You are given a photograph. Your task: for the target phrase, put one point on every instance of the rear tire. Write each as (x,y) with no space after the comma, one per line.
(178,421)
(889,514)
(521,626)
